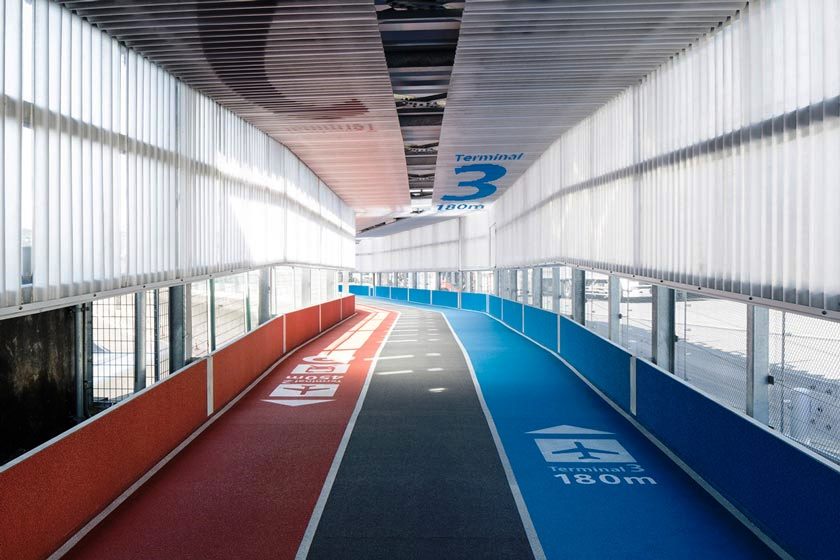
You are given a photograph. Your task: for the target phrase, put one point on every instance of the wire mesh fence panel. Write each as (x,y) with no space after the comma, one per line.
(163,332)
(636,318)
(805,394)
(710,352)
(231,309)
(597,303)
(150,340)
(198,302)
(547,289)
(113,348)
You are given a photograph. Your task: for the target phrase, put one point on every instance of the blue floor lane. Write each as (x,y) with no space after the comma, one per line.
(594,486)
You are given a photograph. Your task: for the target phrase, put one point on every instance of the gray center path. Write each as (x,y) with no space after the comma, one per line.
(421,476)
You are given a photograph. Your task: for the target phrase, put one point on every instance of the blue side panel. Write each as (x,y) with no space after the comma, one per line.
(760,473)
(359,290)
(340,288)
(512,314)
(445,299)
(474,302)
(382,291)
(606,365)
(419,296)
(541,325)
(399,293)
(495,306)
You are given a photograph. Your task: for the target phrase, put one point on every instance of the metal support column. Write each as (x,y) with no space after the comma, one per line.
(139,341)
(79,361)
(758,363)
(614,299)
(177,328)
(156,328)
(558,290)
(212,306)
(536,288)
(88,355)
(664,335)
(265,296)
(497,282)
(579,296)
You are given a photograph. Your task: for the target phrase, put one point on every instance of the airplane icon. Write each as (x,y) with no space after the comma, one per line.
(586,453)
(298,390)
(583,450)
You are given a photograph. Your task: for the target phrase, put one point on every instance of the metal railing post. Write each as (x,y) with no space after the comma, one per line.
(614,305)
(579,296)
(664,333)
(212,311)
(758,363)
(139,341)
(177,327)
(156,324)
(264,305)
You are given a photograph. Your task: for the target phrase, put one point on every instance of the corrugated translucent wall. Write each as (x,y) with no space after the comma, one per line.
(721,169)
(115,174)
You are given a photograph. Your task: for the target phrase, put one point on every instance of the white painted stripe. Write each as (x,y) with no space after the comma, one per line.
(312,527)
(433,353)
(527,523)
(396,372)
(395,341)
(435,369)
(401,357)
(91,525)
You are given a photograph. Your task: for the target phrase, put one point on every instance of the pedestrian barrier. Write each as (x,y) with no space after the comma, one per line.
(760,473)
(48,494)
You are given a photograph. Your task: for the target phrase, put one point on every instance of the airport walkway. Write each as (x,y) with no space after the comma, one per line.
(425,452)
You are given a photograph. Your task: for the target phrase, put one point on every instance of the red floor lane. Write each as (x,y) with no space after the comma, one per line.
(246,487)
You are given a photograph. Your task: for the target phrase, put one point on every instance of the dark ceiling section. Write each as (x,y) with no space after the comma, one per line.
(310,73)
(420,37)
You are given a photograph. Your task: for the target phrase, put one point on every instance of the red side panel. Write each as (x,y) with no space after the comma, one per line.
(47,497)
(330,313)
(301,325)
(348,306)
(235,366)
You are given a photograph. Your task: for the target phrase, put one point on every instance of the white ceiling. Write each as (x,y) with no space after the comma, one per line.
(527,70)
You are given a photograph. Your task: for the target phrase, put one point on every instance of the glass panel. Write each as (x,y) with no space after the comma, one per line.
(198,330)
(448,281)
(282,290)
(547,289)
(564,288)
(711,346)
(805,395)
(230,292)
(636,317)
(597,304)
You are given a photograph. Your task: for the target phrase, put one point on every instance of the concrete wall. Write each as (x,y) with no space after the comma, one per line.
(37,387)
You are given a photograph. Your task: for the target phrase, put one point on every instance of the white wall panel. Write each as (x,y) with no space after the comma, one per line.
(115,174)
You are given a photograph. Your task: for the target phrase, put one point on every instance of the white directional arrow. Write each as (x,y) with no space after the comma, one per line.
(564,429)
(296,402)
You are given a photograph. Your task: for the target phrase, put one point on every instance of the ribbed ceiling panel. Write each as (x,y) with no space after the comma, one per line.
(527,70)
(311,73)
